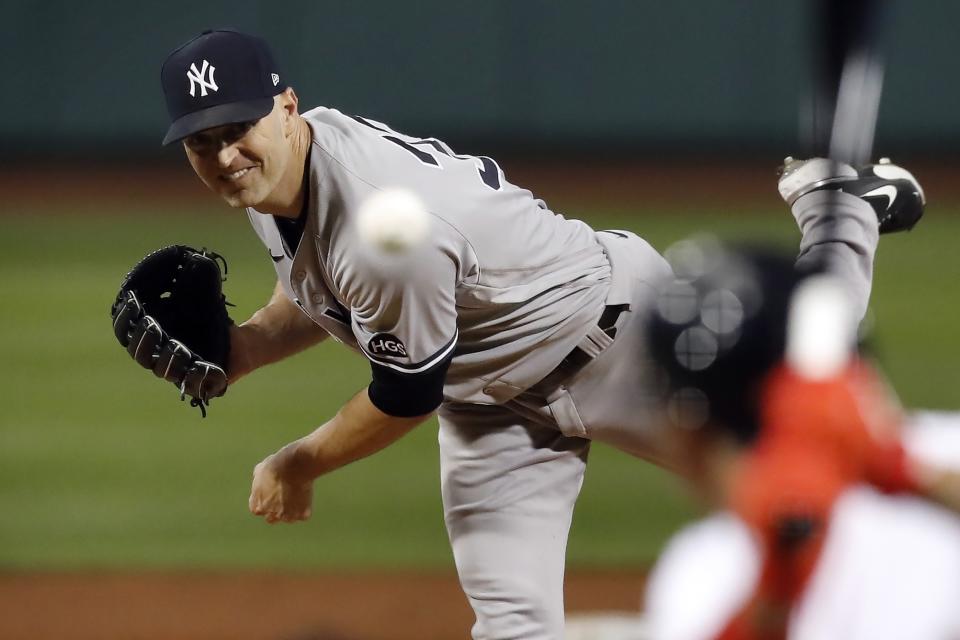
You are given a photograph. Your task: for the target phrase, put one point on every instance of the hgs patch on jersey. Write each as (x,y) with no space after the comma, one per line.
(388,345)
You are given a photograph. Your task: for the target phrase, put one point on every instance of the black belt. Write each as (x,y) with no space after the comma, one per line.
(577,358)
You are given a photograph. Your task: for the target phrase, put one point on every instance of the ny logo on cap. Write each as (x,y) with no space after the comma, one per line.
(275,78)
(197,78)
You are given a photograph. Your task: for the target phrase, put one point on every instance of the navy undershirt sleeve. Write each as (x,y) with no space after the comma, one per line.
(406,395)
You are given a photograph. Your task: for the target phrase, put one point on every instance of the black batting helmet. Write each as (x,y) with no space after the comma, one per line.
(718,328)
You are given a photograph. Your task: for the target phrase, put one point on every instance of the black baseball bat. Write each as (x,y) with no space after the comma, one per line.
(849,78)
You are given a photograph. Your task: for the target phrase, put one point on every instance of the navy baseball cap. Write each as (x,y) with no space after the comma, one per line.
(220,77)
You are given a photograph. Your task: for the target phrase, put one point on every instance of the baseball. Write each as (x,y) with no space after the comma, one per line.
(393,221)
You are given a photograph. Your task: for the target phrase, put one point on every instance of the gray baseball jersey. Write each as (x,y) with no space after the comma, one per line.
(505,287)
(498,297)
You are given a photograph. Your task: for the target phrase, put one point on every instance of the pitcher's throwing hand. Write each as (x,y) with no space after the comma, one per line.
(277,493)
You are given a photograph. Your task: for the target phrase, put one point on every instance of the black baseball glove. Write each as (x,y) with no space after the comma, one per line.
(171,315)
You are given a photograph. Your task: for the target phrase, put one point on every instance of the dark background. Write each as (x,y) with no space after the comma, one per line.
(523,77)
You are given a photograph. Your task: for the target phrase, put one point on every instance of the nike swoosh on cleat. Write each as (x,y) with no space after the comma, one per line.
(888,191)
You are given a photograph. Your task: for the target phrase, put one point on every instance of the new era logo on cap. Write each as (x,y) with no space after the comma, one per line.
(220,77)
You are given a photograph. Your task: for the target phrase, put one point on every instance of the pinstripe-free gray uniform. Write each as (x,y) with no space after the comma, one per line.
(504,291)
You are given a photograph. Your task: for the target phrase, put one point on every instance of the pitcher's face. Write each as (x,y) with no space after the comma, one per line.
(242,162)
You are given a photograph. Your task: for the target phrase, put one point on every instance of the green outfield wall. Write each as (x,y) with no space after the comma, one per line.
(628,76)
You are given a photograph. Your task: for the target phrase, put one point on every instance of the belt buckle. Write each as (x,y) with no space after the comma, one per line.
(577,357)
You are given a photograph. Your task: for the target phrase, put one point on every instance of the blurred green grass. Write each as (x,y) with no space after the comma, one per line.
(101,467)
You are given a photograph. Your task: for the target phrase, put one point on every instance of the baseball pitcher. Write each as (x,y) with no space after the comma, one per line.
(518,327)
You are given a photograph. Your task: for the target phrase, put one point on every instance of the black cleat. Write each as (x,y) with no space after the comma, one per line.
(895,195)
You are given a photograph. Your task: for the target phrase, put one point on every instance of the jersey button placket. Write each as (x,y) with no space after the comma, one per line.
(296,284)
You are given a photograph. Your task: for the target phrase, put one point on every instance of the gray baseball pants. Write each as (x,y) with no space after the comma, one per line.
(510,474)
